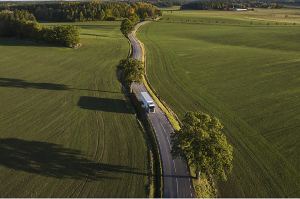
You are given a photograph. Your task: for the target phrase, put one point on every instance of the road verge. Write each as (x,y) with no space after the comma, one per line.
(155,177)
(172,117)
(204,187)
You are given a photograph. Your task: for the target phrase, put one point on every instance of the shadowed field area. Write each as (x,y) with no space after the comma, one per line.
(104,104)
(53,160)
(242,67)
(66,129)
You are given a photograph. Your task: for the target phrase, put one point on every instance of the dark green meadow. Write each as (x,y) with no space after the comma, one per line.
(66,129)
(243,67)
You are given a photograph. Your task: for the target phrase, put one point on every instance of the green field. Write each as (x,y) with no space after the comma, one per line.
(243,67)
(65,127)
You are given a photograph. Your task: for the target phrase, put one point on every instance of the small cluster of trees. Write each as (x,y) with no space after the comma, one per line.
(132,69)
(86,11)
(23,25)
(228,5)
(66,35)
(204,145)
(127,26)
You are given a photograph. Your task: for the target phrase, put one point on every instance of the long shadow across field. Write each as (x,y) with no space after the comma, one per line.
(20,83)
(54,160)
(104,104)
(10,41)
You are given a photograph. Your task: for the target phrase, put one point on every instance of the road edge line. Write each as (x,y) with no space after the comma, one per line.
(158,186)
(171,116)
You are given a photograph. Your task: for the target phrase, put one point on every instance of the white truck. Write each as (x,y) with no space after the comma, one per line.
(148,103)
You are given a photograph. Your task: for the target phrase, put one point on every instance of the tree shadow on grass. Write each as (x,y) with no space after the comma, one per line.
(104,104)
(19,83)
(54,160)
(96,35)
(10,41)
(97,26)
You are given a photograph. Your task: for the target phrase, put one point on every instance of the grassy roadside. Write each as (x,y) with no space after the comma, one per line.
(155,183)
(173,119)
(203,187)
(66,129)
(246,75)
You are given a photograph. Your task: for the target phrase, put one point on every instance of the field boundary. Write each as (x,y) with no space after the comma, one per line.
(155,188)
(172,117)
(155,164)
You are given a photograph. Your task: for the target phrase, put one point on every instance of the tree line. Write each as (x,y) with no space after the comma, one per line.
(169,3)
(23,25)
(86,11)
(228,5)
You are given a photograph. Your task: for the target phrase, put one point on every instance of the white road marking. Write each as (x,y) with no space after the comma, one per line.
(138,53)
(174,166)
(177,187)
(166,135)
(169,142)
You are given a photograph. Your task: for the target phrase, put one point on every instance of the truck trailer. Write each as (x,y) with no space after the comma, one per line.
(148,103)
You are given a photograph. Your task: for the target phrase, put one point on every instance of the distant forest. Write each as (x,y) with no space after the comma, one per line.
(228,5)
(225,4)
(85,11)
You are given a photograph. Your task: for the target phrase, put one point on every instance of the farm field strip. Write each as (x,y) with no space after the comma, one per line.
(244,73)
(66,129)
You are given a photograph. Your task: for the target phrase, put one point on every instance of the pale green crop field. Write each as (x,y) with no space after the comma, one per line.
(243,67)
(66,129)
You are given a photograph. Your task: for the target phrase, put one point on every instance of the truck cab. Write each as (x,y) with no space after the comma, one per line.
(147,102)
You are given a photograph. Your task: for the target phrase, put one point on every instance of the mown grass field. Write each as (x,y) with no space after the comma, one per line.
(65,127)
(242,67)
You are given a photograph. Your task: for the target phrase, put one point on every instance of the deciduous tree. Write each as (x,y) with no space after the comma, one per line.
(126,26)
(204,145)
(133,70)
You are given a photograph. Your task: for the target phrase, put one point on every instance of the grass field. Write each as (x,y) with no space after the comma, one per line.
(65,127)
(242,67)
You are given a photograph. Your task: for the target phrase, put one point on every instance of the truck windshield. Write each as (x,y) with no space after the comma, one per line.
(151,109)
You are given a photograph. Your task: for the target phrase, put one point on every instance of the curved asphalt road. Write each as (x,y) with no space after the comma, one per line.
(176,178)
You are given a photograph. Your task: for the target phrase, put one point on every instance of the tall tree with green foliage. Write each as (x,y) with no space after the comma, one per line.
(133,70)
(134,18)
(204,145)
(126,26)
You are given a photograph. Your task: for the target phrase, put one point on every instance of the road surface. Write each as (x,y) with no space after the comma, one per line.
(176,178)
